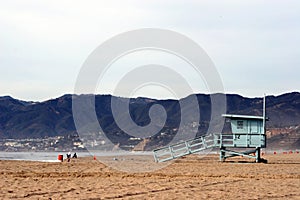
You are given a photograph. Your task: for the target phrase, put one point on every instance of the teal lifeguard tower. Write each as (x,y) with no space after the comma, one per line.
(247,137)
(246,132)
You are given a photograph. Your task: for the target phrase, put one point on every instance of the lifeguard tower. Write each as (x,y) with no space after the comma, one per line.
(247,132)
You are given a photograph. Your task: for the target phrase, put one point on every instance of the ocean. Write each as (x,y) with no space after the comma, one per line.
(52,156)
(37,156)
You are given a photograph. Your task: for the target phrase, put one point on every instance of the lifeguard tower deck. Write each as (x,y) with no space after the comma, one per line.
(247,132)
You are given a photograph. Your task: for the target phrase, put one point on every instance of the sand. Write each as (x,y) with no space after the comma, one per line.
(192,177)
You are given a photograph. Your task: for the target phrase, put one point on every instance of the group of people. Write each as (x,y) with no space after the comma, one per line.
(69,156)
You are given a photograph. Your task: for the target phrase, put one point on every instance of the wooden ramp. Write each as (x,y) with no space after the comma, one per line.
(184,148)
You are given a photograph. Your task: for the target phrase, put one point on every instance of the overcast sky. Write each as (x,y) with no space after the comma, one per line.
(255,45)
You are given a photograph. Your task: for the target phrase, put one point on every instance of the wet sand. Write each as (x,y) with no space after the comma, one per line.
(192,177)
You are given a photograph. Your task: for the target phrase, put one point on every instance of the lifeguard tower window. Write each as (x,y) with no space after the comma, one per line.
(240,124)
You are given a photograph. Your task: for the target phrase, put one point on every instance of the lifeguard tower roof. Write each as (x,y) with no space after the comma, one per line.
(242,116)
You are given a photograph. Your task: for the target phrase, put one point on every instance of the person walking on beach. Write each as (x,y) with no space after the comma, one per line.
(75,155)
(69,156)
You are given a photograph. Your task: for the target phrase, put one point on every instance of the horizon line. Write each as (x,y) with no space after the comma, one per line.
(153,98)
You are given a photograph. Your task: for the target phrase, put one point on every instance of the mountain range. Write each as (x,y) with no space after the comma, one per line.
(26,119)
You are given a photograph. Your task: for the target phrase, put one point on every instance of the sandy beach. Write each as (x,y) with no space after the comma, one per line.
(191,177)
